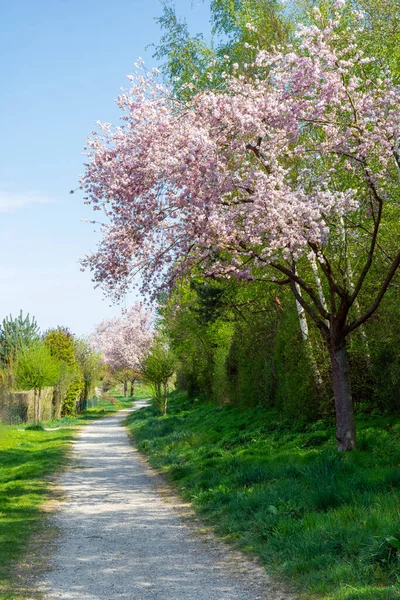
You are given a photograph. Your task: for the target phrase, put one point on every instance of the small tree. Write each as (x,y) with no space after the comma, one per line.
(36,369)
(73,394)
(60,342)
(157,369)
(90,364)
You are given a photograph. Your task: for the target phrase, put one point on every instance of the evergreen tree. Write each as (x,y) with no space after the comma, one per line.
(16,333)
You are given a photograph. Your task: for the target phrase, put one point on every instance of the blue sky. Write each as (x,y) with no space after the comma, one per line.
(63,63)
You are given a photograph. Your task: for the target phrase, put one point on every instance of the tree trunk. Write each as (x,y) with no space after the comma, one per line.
(57,401)
(132,387)
(35,411)
(345,423)
(39,402)
(165,398)
(125,388)
(159,397)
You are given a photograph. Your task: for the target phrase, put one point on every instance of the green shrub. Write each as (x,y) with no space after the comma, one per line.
(73,392)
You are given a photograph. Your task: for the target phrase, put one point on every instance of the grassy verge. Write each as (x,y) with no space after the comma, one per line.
(28,458)
(142,391)
(328,523)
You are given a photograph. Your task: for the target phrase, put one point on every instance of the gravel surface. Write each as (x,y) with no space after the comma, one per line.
(119,538)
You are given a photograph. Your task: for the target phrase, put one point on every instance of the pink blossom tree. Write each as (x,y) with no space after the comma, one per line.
(124,342)
(274,173)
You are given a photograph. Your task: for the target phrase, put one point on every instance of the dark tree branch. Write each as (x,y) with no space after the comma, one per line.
(307,288)
(328,272)
(255,148)
(377,222)
(368,313)
(370,233)
(276,281)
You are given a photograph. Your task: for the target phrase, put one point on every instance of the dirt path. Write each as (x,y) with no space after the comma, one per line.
(119,539)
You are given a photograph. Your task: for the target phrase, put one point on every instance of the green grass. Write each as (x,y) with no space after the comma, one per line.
(327,523)
(142,391)
(28,457)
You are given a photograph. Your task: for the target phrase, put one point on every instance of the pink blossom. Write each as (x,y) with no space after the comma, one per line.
(244,177)
(125,340)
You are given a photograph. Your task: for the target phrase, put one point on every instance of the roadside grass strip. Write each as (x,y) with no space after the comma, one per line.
(328,523)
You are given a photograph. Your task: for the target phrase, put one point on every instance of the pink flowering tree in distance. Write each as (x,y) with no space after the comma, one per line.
(273,174)
(125,341)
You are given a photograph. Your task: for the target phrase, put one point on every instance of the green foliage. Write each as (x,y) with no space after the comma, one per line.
(36,368)
(15,334)
(90,365)
(241,343)
(126,377)
(157,369)
(326,522)
(186,56)
(221,334)
(250,364)
(80,368)
(270,26)
(61,345)
(296,394)
(72,394)
(192,64)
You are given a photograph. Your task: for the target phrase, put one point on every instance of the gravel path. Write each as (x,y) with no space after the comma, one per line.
(120,539)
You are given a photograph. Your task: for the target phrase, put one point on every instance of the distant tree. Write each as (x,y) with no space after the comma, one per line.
(36,369)
(124,341)
(15,334)
(157,369)
(90,364)
(60,342)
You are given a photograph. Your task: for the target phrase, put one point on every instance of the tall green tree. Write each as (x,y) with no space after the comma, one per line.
(90,365)
(36,369)
(60,342)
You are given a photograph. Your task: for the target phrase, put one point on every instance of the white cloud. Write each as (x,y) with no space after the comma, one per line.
(11,201)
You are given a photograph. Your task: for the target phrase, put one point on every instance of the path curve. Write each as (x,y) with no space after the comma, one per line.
(120,540)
